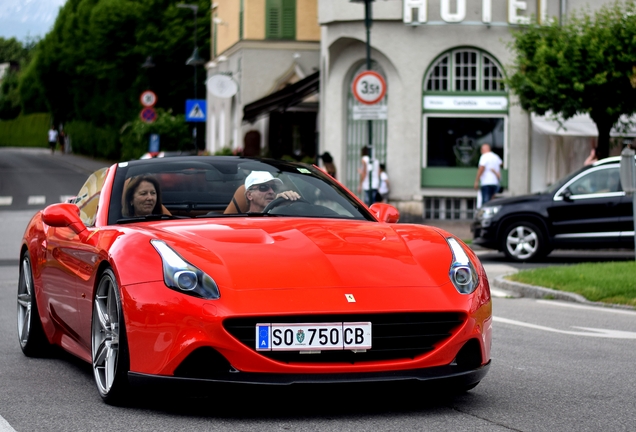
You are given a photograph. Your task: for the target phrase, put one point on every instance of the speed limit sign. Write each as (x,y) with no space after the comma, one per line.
(148,98)
(369,87)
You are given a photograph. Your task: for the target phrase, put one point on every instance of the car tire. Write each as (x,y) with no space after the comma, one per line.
(109,343)
(523,241)
(31,335)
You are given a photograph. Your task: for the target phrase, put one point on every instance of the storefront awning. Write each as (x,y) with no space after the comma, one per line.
(580,125)
(283,99)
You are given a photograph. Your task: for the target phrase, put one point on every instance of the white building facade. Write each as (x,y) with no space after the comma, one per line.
(443,63)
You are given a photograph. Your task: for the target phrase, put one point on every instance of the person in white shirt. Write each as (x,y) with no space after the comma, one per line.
(52,139)
(488,173)
(374,167)
(383,190)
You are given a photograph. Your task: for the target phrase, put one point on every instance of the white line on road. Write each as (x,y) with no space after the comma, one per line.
(6,200)
(594,308)
(36,199)
(5,426)
(591,332)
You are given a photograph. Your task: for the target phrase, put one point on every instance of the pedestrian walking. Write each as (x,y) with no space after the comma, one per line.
(385,186)
(369,167)
(53,135)
(488,173)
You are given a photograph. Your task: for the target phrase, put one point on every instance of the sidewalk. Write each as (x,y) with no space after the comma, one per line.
(459,228)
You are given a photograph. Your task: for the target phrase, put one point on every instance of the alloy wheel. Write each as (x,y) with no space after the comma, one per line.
(25,300)
(522,242)
(106,329)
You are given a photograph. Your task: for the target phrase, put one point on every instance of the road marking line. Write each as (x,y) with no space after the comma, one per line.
(36,199)
(594,308)
(499,293)
(591,332)
(6,200)
(5,426)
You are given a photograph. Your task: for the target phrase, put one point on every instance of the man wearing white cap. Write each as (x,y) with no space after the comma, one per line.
(261,188)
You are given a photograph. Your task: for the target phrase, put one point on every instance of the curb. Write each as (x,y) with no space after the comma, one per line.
(533,291)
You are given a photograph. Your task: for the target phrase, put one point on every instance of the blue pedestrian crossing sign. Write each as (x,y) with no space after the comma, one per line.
(153,145)
(195,110)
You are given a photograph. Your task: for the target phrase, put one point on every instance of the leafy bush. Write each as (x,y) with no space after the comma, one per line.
(87,139)
(172,130)
(25,131)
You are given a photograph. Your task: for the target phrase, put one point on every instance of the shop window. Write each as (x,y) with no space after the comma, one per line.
(456,141)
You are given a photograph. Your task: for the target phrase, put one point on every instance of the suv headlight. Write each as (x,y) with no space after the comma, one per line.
(462,272)
(180,275)
(487,212)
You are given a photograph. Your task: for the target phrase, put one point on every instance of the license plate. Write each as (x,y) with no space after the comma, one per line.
(313,337)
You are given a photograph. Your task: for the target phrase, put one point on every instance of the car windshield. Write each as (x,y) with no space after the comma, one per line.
(210,186)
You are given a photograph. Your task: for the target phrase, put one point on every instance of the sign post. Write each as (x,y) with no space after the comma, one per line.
(368,20)
(628,180)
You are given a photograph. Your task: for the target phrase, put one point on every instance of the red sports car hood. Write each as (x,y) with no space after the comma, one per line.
(261,253)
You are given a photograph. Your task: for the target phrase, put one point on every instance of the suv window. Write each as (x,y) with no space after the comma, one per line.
(597,182)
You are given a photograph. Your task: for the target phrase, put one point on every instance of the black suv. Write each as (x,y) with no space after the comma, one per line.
(585,210)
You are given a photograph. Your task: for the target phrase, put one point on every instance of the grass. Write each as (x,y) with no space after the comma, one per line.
(612,282)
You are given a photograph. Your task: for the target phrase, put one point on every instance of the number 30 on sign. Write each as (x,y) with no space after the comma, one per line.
(369,87)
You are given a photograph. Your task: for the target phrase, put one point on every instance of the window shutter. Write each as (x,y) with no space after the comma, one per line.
(280,19)
(288,19)
(272,19)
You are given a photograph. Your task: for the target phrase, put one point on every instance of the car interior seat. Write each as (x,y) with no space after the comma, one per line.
(238,203)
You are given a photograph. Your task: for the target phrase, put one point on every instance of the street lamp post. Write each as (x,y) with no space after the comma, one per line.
(194,60)
(368,21)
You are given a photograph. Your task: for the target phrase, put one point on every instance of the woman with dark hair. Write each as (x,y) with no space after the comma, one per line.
(142,197)
(327,161)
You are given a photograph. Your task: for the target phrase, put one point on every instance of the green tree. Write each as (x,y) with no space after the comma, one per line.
(88,68)
(18,55)
(586,65)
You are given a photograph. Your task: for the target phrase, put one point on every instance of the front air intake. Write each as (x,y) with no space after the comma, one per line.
(394,336)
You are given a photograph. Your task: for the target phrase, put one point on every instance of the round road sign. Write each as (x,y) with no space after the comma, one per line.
(148,98)
(369,87)
(148,114)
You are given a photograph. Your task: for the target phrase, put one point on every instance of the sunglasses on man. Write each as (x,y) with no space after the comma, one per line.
(265,187)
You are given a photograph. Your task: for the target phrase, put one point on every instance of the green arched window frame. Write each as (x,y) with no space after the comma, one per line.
(462,71)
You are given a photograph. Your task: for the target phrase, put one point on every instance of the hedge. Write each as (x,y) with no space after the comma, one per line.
(25,131)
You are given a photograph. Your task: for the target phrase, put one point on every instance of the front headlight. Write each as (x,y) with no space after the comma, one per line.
(462,272)
(182,276)
(487,212)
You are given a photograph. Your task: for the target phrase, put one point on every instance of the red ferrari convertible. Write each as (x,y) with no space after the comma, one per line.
(226,269)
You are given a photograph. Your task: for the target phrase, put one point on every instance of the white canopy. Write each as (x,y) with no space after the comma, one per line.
(580,125)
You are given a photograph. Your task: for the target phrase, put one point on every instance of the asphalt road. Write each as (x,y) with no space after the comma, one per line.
(555,367)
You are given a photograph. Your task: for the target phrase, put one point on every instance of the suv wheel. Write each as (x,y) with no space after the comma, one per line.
(523,241)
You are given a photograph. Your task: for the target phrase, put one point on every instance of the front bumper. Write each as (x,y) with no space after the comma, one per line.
(451,375)
(484,234)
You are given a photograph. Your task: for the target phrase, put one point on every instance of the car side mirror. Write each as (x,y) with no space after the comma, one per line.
(385,212)
(63,215)
(567,195)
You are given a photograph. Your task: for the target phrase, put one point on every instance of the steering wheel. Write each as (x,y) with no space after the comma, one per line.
(283,201)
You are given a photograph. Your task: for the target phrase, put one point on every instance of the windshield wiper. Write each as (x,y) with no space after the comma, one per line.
(150,217)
